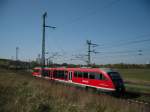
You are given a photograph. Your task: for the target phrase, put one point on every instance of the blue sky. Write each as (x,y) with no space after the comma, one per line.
(120,27)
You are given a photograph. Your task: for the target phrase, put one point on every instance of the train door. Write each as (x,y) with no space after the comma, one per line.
(70,76)
(51,74)
(85,78)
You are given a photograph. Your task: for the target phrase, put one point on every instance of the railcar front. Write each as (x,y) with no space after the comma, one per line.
(116,80)
(36,72)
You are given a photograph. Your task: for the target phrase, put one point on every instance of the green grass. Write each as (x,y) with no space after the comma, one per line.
(139,75)
(139,88)
(136,80)
(20,92)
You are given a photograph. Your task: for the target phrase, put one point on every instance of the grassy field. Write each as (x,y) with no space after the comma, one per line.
(136,75)
(136,80)
(20,92)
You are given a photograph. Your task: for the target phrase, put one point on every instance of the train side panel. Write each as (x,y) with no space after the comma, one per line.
(36,72)
(94,78)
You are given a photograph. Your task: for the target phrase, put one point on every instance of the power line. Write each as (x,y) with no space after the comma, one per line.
(119,55)
(138,51)
(119,52)
(123,43)
(91,49)
(135,42)
(81,57)
(91,13)
(126,51)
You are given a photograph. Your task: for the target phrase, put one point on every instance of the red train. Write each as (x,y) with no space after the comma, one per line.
(103,79)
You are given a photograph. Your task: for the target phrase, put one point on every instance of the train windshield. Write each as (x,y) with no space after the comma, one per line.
(118,82)
(114,76)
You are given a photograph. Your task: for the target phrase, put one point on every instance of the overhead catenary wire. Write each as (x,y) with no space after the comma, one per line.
(121,43)
(88,14)
(94,12)
(126,51)
(120,53)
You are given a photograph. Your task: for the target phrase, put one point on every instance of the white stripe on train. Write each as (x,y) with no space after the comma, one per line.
(110,89)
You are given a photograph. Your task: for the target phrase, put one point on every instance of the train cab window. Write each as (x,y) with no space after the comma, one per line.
(114,75)
(85,74)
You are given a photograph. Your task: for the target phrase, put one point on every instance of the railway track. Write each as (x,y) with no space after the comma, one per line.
(131,97)
(138,102)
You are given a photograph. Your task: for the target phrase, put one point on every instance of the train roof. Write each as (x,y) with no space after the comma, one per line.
(82,69)
(108,69)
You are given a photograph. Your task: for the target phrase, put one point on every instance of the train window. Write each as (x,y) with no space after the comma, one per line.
(79,74)
(102,77)
(85,74)
(62,74)
(36,70)
(92,75)
(75,74)
(59,74)
(99,76)
(46,73)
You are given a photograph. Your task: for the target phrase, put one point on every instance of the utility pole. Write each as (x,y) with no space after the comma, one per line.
(39,59)
(17,51)
(89,52)
(90,44)
(43,42)
(16,62)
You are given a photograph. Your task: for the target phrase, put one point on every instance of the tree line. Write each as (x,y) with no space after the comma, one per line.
(11,64)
